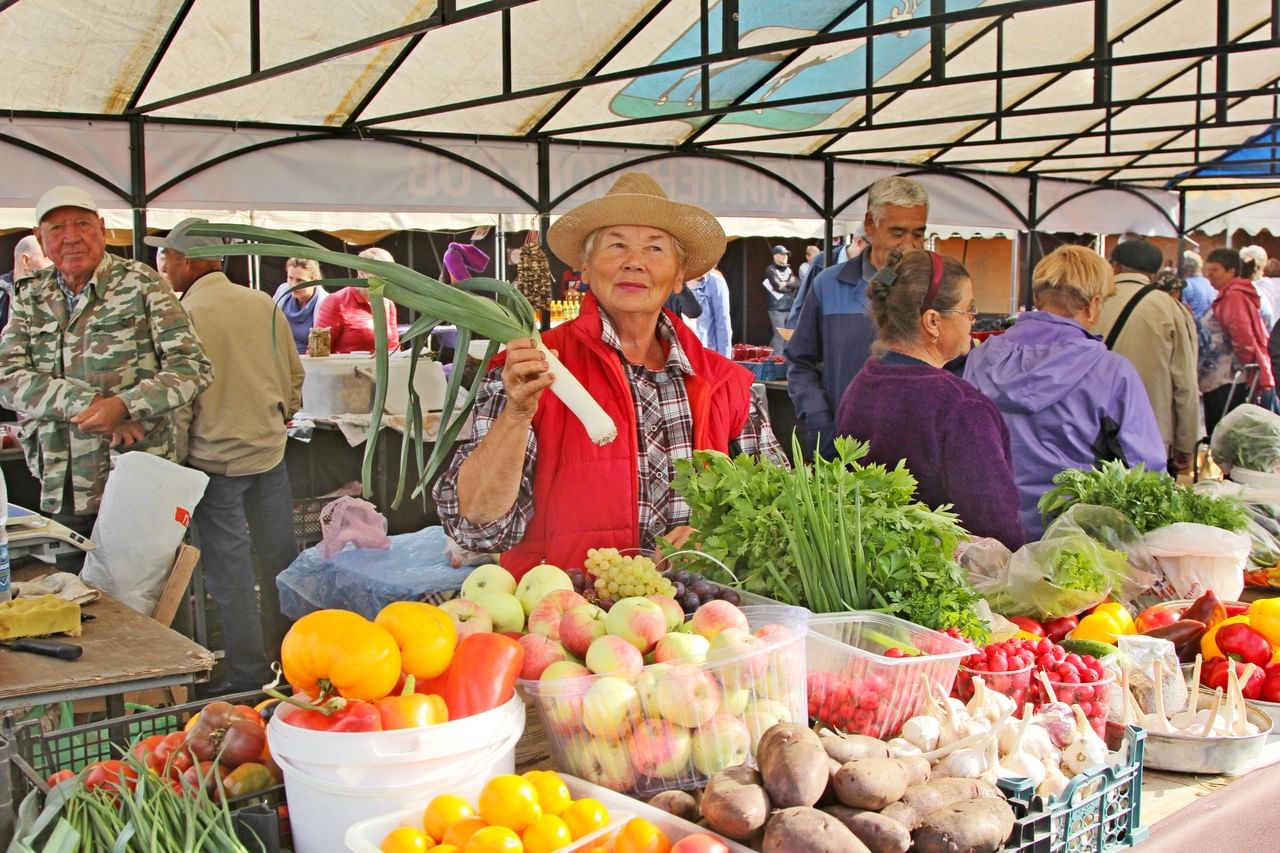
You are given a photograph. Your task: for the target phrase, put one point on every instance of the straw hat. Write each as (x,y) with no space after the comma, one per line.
(636,199)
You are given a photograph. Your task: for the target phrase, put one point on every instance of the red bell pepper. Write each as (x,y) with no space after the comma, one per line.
(1058,629)
(1271,688)
(1214,675)
(1026,623)
(355,716)
(1240,642)
(409,710)
(482,674)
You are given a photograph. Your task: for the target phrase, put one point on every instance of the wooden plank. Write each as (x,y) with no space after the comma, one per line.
(175,588)
(120,645)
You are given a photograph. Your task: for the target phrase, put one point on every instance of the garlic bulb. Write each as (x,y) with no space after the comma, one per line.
(985,704)
(902,747)
(923,732)
(1088,751)
(1054,781)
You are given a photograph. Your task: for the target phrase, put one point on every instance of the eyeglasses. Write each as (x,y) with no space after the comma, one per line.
(971,313)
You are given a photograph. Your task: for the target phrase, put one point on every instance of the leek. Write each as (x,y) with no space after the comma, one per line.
(482,307)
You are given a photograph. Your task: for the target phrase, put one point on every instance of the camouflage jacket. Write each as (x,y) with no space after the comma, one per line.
(127,337)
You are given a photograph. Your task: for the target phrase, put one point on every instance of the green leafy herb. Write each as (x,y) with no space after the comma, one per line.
(836,535)
(1151,500)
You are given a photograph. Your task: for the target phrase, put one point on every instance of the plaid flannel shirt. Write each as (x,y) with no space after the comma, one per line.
(664,424)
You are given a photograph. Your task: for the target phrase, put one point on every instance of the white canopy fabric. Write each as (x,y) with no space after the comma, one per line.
(416,113)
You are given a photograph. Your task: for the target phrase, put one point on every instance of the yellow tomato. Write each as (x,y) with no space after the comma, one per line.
(641,836)
(553,793)
(406,839)
(546,834)
(460,832)
(585,816)
(509,801)
(494,839)
(443,812)
(445,848)
(425,634)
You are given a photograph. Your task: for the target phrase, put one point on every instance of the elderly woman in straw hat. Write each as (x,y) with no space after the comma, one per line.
(529,482)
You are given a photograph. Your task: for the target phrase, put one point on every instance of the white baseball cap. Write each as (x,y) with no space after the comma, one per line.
(63,196)
(179,240)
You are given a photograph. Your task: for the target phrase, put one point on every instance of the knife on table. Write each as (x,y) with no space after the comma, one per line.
(51,648)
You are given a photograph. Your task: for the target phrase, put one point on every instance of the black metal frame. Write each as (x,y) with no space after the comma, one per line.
(1213,100)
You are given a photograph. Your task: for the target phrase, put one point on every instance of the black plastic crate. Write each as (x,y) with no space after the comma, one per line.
(306,521)
(29,756)
(1099,811)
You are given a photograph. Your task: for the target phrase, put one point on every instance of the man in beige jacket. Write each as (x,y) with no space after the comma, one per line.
(1159,337)
(236,434)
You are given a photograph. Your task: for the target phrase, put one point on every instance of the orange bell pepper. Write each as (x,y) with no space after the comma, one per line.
(339,652)
(425,634)
(411,710)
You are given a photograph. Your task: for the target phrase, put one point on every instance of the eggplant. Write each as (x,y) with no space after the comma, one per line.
(1185,635)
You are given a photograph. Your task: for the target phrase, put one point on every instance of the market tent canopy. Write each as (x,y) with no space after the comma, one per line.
(167,103)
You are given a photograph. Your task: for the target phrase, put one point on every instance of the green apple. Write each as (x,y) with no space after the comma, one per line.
(610,707)
(488,578)
(637,620)
(504,609)
(681,647)
(660,749)
(720,742)
(538,582)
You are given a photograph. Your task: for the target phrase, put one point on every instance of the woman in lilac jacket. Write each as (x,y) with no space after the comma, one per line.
(907,407)
(1068,401)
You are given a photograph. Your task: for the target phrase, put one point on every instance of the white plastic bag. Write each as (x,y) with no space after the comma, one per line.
(1196,558)
(146,508)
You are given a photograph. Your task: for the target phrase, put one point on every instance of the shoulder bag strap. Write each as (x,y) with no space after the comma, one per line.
(1124,315)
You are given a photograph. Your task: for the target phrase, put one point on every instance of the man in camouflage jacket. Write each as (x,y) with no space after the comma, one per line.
(97,354)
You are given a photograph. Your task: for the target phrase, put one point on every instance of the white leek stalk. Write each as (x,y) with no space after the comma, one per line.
(599,426)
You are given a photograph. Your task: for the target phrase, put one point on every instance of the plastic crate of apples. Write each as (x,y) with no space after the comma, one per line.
(661,702)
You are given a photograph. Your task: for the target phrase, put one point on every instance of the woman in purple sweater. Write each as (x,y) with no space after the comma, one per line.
(908,408)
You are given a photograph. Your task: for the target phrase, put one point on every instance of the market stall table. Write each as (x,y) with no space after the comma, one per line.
(124,651)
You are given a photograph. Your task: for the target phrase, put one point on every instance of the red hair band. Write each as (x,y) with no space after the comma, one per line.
(934,283)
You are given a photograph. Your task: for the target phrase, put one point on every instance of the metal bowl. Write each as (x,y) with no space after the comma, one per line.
(1213,756)
(1270,708)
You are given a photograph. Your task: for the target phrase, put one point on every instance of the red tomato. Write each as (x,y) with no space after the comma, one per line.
(250,714)
(172,752)
(145,750)
(60,776)
(1154,617)
(702,842)
(110,775)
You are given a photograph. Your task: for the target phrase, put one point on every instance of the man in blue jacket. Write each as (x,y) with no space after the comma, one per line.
(834,333)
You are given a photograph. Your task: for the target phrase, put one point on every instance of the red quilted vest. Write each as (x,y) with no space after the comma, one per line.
(587,496)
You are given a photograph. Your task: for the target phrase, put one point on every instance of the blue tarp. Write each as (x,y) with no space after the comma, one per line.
(366,580)
(1257,157)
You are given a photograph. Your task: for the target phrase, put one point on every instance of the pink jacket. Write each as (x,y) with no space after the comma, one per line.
(1237,310)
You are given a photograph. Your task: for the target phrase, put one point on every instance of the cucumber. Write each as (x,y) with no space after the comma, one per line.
(1089,647)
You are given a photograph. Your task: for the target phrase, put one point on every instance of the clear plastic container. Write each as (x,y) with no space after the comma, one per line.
(676,724)
(853,686)
(1093,697)
(366,836)
(1014,683)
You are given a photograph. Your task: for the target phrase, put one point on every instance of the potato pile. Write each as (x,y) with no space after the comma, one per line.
(845,794)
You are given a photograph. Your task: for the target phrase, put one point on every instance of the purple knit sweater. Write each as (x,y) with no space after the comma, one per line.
(952,437)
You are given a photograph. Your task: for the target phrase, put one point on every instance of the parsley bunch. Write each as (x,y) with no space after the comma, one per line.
(1150,500)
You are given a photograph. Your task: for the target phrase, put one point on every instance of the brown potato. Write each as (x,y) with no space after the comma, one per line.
(917,769)
(735,803)
(679,803)
(920,801)
(806,829)
(871,783)
(845,748)
(793,764)
(970,826)
(879,833)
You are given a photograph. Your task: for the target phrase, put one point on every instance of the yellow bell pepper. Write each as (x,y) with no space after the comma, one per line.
(1105,624)
(1209,644)
(1264,617)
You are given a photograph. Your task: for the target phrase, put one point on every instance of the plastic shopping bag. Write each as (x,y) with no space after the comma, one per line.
(1065,572)
(146,507)
(1196,558)
(349,520)
(1249,437)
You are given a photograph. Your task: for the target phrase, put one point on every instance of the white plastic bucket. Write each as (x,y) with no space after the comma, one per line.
(335,779)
